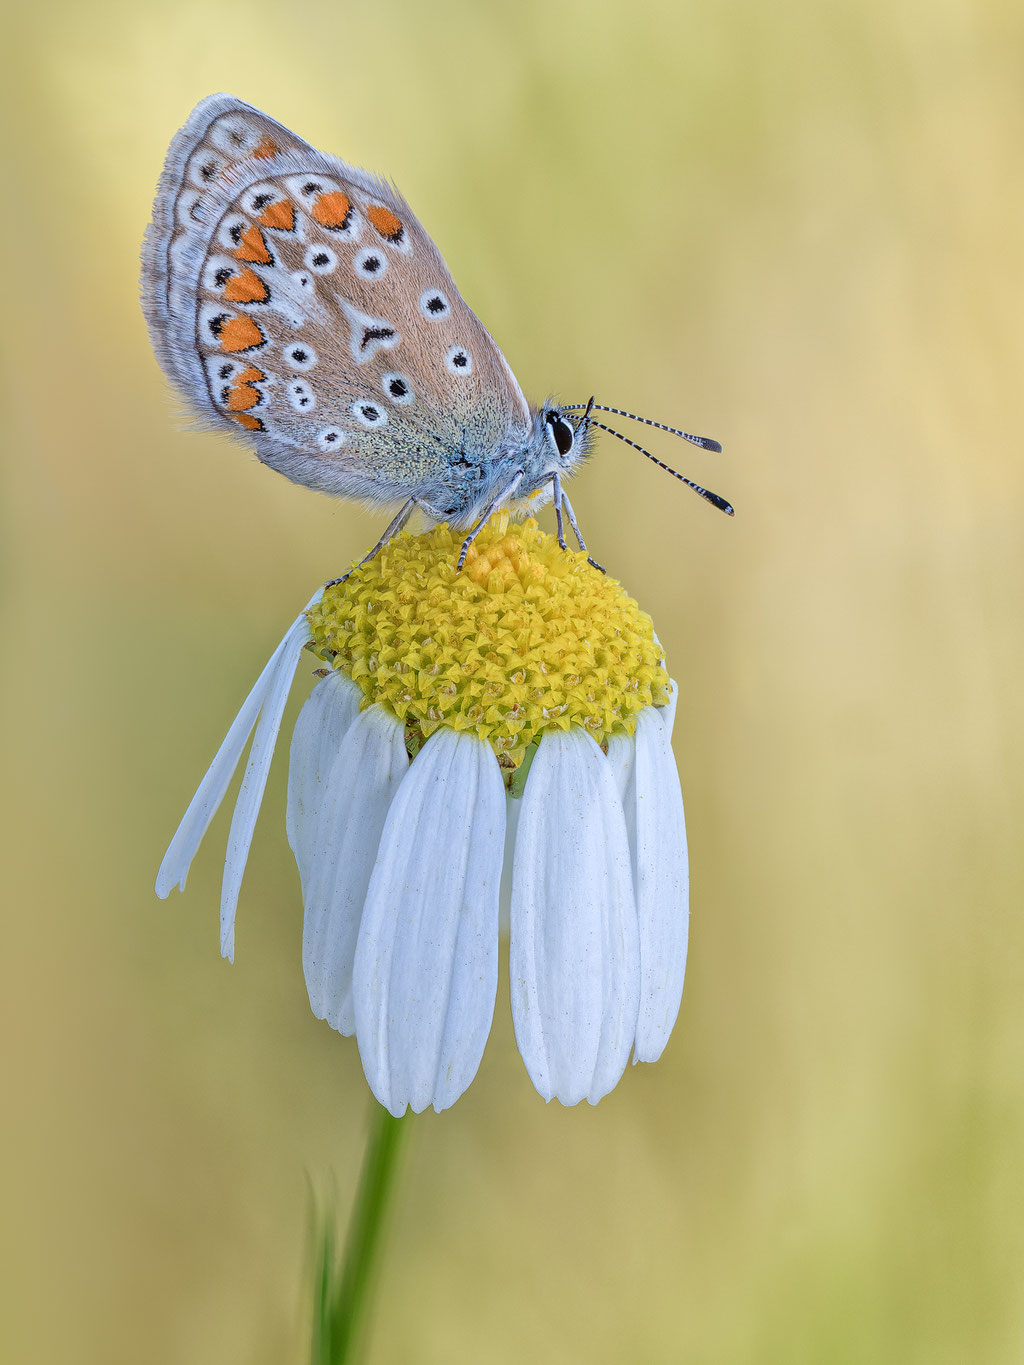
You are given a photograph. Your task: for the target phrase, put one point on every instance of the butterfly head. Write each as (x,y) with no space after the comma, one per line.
(558,443)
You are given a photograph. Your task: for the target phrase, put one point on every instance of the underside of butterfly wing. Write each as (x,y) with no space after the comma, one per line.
(297,301)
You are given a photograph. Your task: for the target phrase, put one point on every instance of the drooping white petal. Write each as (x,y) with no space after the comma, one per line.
(622,761)
(203,806)
(574,957)
(328,711)
(513,805)
(654,808)
(254,780)
(668,713)
(360,785)
(426,969)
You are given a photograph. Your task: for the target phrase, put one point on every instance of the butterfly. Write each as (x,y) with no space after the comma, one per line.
(298,302)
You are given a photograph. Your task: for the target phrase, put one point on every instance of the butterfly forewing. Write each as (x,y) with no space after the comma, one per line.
(299,300)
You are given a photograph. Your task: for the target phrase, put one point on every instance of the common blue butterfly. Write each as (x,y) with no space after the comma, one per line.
(298,301)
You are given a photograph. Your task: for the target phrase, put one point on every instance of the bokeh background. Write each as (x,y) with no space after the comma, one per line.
(795,227)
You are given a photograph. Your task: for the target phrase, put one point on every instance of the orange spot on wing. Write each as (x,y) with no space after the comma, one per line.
(387,224)
(266,148)
(280,215)
(246,287)
(331,210)
(243,394)
(254,248)
(240,334)
(250,423)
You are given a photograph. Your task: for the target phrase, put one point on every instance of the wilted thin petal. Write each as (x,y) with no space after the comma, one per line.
(203,806)
(363,779)
(328,711)
(658,839)
(247,807)
(574,955)
(426,967)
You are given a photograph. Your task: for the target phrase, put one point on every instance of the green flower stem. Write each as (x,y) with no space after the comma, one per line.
(342,1308)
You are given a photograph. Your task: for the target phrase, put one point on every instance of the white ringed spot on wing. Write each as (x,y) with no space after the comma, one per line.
(458,360)
(397,388)
(371,263)
(331,438)
(369,414)
(434,305)
(320,259)
(300,396)
(300,355)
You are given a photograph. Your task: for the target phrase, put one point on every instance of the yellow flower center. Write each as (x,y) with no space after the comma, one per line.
(527,637)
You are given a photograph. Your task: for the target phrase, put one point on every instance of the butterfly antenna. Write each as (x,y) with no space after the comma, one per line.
(583,425)
(708,496)
(705,442)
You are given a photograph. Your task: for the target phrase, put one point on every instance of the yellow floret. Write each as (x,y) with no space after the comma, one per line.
(527,637)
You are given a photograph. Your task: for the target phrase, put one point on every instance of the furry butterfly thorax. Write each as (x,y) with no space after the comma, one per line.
(298,302)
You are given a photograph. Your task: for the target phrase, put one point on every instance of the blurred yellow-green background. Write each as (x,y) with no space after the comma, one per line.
(795,227)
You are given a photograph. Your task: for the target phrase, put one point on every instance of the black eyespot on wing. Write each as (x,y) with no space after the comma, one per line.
(371,334)
(312,187)
(216,324)
(225,371)
(435,305)
(222,276)
(369,412)
(398,388)
(261,201)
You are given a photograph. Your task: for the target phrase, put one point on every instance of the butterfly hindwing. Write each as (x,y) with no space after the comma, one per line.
(299,301)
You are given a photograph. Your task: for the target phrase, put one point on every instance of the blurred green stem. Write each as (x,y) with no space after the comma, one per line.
(343,1303)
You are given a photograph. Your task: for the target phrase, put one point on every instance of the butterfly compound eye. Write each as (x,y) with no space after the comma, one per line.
(560,432)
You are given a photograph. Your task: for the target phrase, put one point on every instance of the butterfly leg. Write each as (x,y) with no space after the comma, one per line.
(392,531)
(567,505)
(491,507)
(556,499)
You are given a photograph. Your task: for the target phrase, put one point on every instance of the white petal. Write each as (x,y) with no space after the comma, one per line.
(622,760)
(426,969)
(203,806)
(329,710)
(658,839)
(254,780)
(668,713)
(360,786)
(574,956)
(513,805)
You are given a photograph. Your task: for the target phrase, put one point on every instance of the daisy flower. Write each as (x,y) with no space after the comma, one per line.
(484,748)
